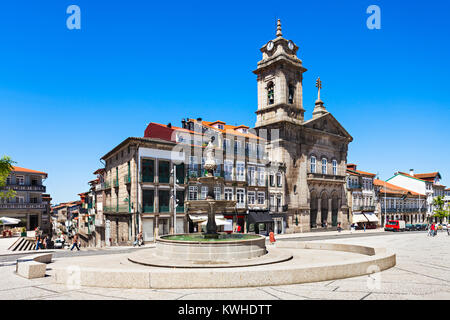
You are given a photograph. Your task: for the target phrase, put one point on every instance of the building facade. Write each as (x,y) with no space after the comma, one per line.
(312,153)
(31,204)
(362,197)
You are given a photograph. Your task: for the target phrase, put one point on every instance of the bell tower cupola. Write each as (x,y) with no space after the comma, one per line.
(279,78)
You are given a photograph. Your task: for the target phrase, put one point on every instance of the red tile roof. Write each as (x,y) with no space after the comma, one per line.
(19,169)
(390,188)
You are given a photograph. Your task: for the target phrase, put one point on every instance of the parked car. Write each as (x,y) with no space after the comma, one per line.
(409,227)
(420,226)
(395,225)
(58,244)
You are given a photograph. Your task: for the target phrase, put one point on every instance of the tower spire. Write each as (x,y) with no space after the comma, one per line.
(279,33)
(319,108)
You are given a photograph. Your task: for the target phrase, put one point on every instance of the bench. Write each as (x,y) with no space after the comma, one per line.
(33,266)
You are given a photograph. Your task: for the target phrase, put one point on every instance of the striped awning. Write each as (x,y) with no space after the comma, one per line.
(371,217)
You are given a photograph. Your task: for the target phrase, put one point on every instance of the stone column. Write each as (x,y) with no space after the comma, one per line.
(319,212)
(156,226)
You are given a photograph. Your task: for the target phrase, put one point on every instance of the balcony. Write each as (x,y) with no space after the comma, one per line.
(164,208)
(325,178)
(354,186)
(21,187)
(127,179)
(106,185)
(117,209)
(148,209)
(23,205)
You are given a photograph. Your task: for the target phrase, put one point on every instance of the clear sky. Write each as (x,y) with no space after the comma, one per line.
(67,97)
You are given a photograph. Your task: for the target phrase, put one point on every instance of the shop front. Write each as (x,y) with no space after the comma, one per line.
(260,222)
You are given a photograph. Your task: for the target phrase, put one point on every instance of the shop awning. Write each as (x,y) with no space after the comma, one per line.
(259,217)
(359,218)
(371,217)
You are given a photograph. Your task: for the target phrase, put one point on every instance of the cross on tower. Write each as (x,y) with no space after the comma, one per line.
(319,86)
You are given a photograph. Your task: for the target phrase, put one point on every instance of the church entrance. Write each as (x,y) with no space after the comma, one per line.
(334,210)
(324,209)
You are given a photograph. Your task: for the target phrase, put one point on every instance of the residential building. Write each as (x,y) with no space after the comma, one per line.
(423,183)
(362,197)
(398,203)
(31,204)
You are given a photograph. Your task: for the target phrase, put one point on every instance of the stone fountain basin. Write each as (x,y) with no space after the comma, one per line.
(211,251)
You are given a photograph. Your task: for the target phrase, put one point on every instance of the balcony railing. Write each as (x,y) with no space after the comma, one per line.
(127,179)
(22,205)
(106,185)
(123,208)
(148,209)
(163,179)
(403,210)
(354,186)
(180,209)
(147,178)
(20,187)
(321,177)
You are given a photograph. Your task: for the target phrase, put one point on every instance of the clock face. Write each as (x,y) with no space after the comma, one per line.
(270,46)
(291,45)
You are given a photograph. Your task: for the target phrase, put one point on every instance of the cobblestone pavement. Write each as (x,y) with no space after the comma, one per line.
(422,272)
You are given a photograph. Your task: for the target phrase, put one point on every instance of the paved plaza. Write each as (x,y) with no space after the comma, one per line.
(422,272)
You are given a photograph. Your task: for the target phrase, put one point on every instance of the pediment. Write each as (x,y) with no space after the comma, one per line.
(328,124)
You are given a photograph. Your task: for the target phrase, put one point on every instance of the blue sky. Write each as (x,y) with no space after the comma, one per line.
(67,97)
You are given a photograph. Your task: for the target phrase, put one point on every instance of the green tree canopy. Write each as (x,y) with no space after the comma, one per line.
(438,204)
(6,166)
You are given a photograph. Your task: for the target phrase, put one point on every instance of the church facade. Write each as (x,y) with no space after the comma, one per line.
(312,153)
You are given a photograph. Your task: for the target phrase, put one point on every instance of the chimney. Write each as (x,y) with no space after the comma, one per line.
(411,172)
(169,125)
(183,123)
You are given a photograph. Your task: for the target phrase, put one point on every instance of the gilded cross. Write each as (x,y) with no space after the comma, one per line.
(319,86)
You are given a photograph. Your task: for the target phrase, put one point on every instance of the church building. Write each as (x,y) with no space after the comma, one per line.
(312,153)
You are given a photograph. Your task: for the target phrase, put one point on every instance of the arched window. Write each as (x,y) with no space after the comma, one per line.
(313,164)
(324,166)
(291,94)
(270,93)
(334,167)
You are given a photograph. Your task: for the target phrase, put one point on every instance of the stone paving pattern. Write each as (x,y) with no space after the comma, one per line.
(422,272)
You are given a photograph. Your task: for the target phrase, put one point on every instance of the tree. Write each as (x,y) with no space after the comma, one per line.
(6,166)
(438,205)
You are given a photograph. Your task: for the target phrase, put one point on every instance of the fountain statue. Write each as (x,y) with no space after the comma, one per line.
(210,166)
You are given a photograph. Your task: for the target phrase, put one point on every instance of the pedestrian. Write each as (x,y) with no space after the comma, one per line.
(139,240)
(48,243)
(339,229)
(75,243)
(271,237)
(44,243)
(364,227)
(38,241)
(432,230)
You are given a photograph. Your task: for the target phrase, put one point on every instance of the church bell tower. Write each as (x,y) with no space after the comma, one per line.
(280,75)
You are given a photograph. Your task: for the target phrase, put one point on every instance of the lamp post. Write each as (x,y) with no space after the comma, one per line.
(174,197)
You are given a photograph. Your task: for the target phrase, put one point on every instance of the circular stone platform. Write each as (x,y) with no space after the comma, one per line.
(205,251)
(311,262)
(151,257)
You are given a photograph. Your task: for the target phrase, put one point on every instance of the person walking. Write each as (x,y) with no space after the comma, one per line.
(432,227)
(38,241)
(364,227)
(339,229)
(272,237)
(75,243)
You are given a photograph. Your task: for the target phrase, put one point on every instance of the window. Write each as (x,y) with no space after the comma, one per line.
(251,176)
(261,178)
(334,167)
(204,193)
(228,192)
(238,147)
(20,180)
(164,200)
(240,198)
(228,170)
(220,126)
(193,191)
(193,167)
(291,94)
(251,197)
(261,197)
(163,171)
(324,166)
(259,151)
(240,171)
(218,171)
(278,179)
(226,145)
(313,164)
(271,180)
(270,93)
(148,170)
(279,205)
(217,193)
(272,202)
(8,180)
